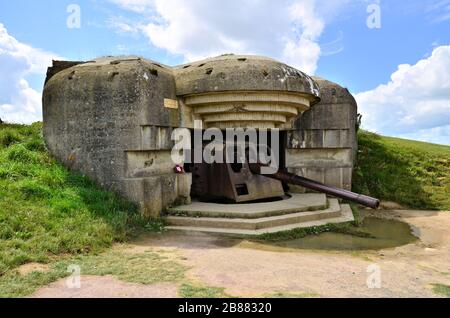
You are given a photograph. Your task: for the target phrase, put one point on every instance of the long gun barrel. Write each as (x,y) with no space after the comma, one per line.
(317,186)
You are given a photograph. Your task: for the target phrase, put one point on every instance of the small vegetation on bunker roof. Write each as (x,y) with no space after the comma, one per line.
(46,210)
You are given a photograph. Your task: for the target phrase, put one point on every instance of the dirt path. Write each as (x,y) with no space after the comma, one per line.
(107,287)
(248,269)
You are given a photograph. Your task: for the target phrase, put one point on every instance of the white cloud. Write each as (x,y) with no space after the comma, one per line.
(415,103)
(122,26)
(438,10)
(437,135)
(18,101)
(134,5)
(333,47)
(287,29)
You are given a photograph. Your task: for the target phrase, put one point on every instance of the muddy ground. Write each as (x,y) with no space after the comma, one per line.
(247,269)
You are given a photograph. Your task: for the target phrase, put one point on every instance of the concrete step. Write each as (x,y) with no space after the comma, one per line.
(297,203)
(334,210)
(346,215)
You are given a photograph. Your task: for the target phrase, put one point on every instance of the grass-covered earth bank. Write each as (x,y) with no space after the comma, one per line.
(46,210)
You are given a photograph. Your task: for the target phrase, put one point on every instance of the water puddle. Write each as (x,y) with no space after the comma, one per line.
(384,234)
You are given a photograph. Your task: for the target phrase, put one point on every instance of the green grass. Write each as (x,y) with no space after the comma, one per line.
(46,210)
(414,174)
(190,290)
(442,290)
(343,228)
(291,295)
(350,228)
(146,268)
(141,268)
(15,285)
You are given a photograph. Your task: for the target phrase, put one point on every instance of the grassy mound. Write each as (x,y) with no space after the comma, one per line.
(414,174)
(46,210)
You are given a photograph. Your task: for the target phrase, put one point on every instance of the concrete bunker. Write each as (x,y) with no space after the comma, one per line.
(112,119)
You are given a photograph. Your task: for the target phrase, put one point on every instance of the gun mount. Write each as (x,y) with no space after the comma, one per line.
(239,181)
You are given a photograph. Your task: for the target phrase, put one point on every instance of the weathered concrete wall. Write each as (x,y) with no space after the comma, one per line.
(107,119)
(231,91)
(323,145)
(112,119)
(242,73)
(59,66)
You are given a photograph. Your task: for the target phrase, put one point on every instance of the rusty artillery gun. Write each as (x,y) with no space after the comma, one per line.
(240,182)
(291,178)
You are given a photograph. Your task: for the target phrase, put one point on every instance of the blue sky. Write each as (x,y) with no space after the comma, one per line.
(399,71)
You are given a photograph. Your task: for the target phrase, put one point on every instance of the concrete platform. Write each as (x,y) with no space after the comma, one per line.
(253,219)
(297,203)
(346,215)
(333,211)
